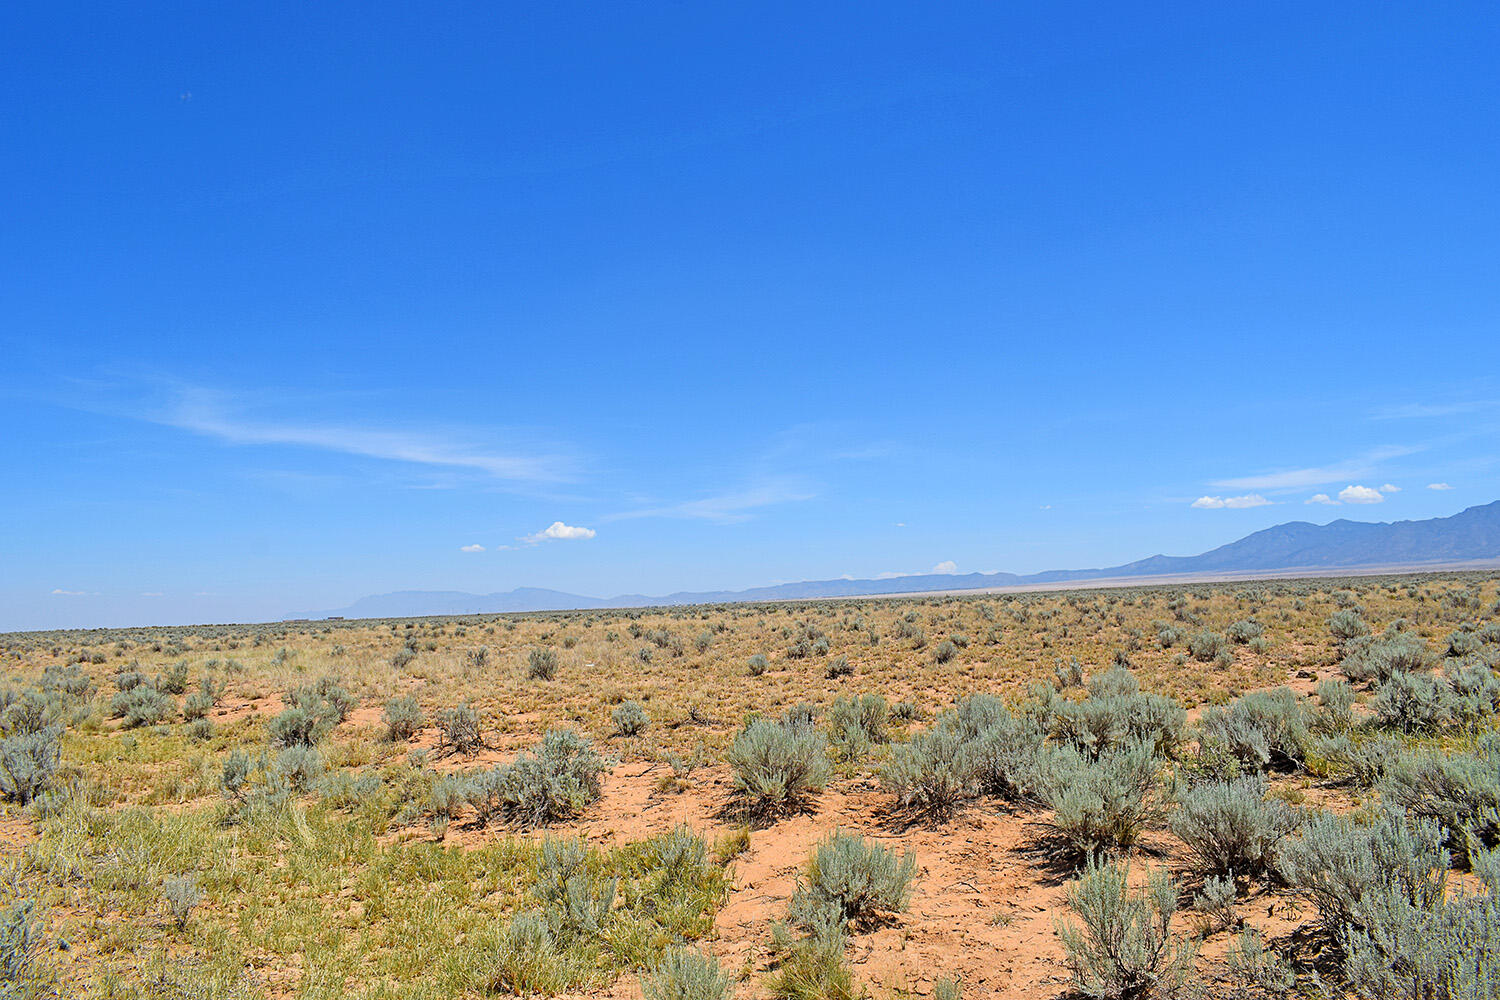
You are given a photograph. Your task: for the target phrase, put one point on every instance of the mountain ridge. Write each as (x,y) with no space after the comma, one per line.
(1471,535)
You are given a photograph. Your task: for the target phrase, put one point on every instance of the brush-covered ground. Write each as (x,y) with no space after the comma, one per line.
(600,803)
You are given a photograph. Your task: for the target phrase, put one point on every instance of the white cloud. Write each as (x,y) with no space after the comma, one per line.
(1360,494)
(1232,503)
(559,532)
(59,592)
(471,548)
(1439,486)
(946,567)
(1388,488)
(203,412)
(1291,479)
(153,593)
(726,508)
(1322,498)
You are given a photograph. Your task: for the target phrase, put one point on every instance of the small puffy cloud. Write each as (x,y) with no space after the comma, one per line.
(1439,486)
(471,548)
(1231,503)
(1360,494)
(1388,488)
(947,567)
(59,592)
(559,532)
(1322,498)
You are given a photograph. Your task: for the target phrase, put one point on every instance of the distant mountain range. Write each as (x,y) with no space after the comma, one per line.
(1298,546)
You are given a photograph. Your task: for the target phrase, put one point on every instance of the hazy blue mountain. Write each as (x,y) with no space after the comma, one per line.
(1469,536)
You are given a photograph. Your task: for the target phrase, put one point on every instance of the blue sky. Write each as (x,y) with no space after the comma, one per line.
(298,306)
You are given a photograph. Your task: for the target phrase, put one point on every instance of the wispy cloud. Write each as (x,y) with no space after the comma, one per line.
(1390,488)
(211,414)
(1230,503)
(724,508)
(1416,411)
(471,548)
(59,592)
(1439,486)
(1291,479)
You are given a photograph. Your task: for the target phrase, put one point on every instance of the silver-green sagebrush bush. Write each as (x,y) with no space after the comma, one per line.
(630,718)
(1230,828)
(853,880)
(28,762)
(555,781)
(1121,946)
(403,717)
(1099,804)
(778,766)
(687,974)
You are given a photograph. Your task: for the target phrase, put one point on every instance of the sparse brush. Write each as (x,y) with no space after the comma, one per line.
(181,894)
(403,718)
(28,763)
(1099,804)
(854,880)
(687,974)
(1230,828)
(778,766)
(630,718)
(1121,947)
(541,663)
(458,729)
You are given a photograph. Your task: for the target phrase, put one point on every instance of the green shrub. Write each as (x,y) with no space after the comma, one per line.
(20,949)
(1347,624)
(1414,702)
(526,959)
(403,718)
(299,726)
(299,766)
(195,706)
(812,967)
(1380,658)
(860,720)
(777,766)
(541,663)
(932,773)
(1336,706)
(1264,729)
(141,706)
(687,974)
(458,729)
(944,651)
(838,667)
(1459,792)
(554,782)
(326,696)
(630,718)
(757,665)
(1206,646)
(181,894)
(853,880)
(1121,945)
(1098,804)
(173,680)
(1242,632)
(1229,827)
(1340,863)
(28,762)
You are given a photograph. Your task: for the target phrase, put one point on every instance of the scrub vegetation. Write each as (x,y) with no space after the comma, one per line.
(1264,788)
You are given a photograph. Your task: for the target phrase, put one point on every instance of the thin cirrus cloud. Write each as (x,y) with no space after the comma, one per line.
(204,412)
(1230,503)
(1291,479)
(1439,486)
(725,508)
(471,548)
(60,592)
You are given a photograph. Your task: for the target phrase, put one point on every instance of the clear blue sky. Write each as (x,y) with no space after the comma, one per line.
(296,306)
